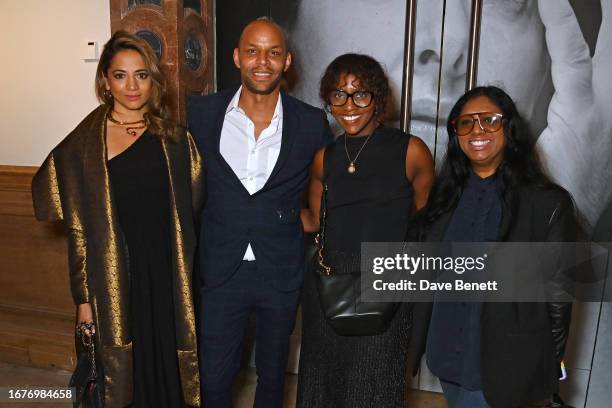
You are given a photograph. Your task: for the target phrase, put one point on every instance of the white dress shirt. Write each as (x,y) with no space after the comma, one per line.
(251,160)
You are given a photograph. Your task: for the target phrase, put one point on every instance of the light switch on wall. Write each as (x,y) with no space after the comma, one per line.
(89,51)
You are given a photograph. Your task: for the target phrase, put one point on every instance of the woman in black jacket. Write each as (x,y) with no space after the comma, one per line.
(491,188)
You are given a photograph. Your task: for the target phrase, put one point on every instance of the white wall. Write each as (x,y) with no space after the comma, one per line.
(45,86)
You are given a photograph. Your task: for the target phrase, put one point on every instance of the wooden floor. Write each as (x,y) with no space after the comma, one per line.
(244,390)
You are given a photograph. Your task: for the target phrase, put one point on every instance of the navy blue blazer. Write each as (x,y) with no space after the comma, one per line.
(269,219)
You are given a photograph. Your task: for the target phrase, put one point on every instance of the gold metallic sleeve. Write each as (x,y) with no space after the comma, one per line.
(77,259)
(45,192)
(48,207)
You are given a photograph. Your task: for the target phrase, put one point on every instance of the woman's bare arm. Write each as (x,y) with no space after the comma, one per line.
(419,170)
(310,215)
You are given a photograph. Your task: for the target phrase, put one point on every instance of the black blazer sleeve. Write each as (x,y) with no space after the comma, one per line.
(562,227)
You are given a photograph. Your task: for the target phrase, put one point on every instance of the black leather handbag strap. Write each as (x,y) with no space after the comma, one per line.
(320,238)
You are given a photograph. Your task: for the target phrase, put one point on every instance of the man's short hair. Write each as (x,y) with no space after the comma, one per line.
(270,20)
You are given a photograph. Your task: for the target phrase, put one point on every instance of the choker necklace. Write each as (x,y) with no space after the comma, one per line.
(131,130)
(351,167)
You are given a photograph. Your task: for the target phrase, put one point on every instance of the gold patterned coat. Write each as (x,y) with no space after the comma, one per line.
(73,185)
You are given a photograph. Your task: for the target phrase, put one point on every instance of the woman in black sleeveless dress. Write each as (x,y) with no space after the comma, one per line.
(376,177)
(139,179)
(140,185)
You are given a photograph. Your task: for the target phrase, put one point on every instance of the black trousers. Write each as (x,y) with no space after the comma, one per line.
(224,312)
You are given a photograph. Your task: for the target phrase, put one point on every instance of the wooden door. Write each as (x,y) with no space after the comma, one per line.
(182,34)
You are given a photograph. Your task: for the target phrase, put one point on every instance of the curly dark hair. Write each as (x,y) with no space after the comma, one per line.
(364,67)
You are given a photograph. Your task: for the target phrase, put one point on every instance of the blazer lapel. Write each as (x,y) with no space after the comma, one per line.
(509,207)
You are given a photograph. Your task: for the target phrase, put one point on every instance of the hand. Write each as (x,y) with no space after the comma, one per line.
(85,315)
(577,144)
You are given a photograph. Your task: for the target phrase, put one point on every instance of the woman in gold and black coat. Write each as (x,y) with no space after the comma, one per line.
(126,183)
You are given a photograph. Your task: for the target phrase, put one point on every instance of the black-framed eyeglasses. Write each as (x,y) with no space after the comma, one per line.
(361,99)
(488,121)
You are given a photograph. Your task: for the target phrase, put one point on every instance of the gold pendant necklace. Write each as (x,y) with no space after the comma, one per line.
(351,167)
(131,130)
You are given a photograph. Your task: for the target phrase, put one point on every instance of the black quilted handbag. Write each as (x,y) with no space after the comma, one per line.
(87,378)
(338,281)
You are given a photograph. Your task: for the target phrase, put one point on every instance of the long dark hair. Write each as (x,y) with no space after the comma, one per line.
(520,164)
(158,116)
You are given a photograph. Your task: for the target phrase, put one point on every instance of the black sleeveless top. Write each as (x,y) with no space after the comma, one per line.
(373,204)
(140,184)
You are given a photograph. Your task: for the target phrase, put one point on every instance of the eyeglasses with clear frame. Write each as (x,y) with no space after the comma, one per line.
(361,99)
(489,122)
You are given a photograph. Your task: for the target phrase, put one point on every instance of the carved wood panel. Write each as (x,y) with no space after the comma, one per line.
(182,33)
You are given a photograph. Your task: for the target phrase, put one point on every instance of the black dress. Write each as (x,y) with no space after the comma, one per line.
(373,204)
(139,180)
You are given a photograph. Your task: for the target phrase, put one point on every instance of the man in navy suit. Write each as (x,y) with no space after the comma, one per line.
(257,144)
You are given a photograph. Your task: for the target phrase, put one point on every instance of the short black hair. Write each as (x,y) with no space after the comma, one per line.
(367,69)
(272,21)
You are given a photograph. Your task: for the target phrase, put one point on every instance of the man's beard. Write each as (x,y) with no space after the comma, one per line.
(254,88)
